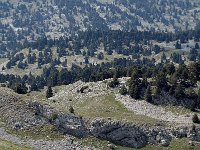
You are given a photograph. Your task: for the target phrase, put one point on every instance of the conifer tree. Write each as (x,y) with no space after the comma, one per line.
(21,88)
(49,92)
(179,92)
(71,110)
(123,90)
(195,118)
(148,93)
(134,91)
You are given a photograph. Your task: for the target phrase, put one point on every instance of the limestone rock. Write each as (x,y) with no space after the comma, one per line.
(119,133)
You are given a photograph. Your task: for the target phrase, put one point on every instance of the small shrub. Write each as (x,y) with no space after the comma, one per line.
(193,106)
(3,85)
(114,83)
(83,89)
(123,90)
(193,128)
(21,89)
(49,92)
(71,110)
(195,118)
(53,117)
(148,95)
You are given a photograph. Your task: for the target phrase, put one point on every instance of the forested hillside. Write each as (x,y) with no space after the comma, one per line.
(100,75)
(27,20)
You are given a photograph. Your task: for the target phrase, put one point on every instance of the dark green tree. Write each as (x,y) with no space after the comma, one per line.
(134,85)
(123,90)
(21,88)
(179,91)
(195,118)
(170,68)
(148,94)
(3,68)
(196,46)
(161,81)
(49,92)
(199,95)
(114,83)
(178,45)
(71,110)
(134,91)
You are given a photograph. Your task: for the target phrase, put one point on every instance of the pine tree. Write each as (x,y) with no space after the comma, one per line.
(21,89)
(123,90)
(148,96)
(49,92)
(179,92)
(193,106)
(172,89)
(3,68)
(34,86)
(161,81)
(134,85)
(170,68)
(199,95)
(71,110)
(178,45)
(196,46)
(157,92)
(134,91)
(195,118)
(114,83)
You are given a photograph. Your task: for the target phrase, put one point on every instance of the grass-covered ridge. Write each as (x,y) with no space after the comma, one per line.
(177,144)
(5,145)
(107,107)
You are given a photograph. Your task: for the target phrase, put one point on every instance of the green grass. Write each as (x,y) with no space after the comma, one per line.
(176,144)
(97,107)
(178,110)
(5,145)
(47,132)
(108,107)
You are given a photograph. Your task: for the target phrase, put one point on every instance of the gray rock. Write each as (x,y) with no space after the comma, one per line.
(165,143)
(119,133)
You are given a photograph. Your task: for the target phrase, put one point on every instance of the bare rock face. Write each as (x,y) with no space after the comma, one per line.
(119,133)
(125,134)
(66,123)
(194,135)
(71,124)
(158,135)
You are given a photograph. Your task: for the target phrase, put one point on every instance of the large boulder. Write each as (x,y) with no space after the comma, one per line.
(71,124)
(120,133)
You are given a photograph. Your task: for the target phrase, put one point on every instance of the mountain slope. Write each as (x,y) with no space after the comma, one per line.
(29,20)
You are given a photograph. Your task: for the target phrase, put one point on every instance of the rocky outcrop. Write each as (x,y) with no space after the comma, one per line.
(116,132)
(16,113)
(158,135)
(71,124)
(120,133)
(125,134)
(68,143)
(192,133)
(66,123)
